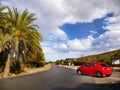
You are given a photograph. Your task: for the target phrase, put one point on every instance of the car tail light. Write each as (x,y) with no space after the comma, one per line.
(103,68)
(108,68)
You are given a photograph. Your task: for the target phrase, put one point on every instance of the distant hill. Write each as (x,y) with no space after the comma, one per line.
(105,57)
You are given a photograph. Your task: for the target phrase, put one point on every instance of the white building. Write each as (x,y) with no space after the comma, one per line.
(115,62)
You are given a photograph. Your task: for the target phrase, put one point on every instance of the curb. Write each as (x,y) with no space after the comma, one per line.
(31,71)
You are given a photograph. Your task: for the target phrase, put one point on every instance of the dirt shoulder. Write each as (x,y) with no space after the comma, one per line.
(30,71)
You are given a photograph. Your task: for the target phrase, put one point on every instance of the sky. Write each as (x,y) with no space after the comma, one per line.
(74,28)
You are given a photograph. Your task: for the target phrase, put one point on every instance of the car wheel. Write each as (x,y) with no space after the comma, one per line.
(99,74)
(79,72)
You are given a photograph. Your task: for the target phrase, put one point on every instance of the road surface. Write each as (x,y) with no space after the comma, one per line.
(60,78)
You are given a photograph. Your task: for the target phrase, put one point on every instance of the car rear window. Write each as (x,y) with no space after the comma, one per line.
(104,64)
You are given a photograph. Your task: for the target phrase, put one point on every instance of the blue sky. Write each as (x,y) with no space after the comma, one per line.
(71,31)
(82,30)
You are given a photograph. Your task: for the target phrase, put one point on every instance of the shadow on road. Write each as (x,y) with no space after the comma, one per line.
(88,86)
(118,70)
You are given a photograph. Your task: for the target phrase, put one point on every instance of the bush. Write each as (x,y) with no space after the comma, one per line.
(116,65)
(58,62)
(78,62)
(40,64)
(15,68)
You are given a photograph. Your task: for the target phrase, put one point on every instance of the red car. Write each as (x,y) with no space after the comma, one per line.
(98,69)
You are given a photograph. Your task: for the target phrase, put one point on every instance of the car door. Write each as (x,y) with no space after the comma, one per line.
(92,69)
(87,68)
(83,69)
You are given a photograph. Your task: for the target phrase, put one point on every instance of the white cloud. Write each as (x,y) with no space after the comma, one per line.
(87,11)
(79,45)
(113,20)
(61,47)
(93,32)
(57,34)
(54,13)
(74,45)
(110,40)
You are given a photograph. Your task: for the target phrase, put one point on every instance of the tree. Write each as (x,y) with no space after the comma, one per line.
(21,37)
(4,25)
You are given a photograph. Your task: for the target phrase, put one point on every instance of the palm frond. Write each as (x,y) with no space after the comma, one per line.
(3,8)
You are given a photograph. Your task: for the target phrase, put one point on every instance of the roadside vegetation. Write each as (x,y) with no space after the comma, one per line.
(20,41)
(104,57)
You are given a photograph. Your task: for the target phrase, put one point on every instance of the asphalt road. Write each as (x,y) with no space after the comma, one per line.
(60,78)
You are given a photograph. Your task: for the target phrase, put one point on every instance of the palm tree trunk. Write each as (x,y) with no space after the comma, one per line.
(7,67)
(8,64)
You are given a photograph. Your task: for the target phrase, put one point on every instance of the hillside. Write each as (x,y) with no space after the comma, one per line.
(105,57)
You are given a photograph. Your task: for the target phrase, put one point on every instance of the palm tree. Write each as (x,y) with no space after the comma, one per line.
(21,37)
(4,25)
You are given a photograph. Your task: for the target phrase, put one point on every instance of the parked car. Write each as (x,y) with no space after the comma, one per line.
(98,69)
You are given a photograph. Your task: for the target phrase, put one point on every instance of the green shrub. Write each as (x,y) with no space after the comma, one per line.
(15,68)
